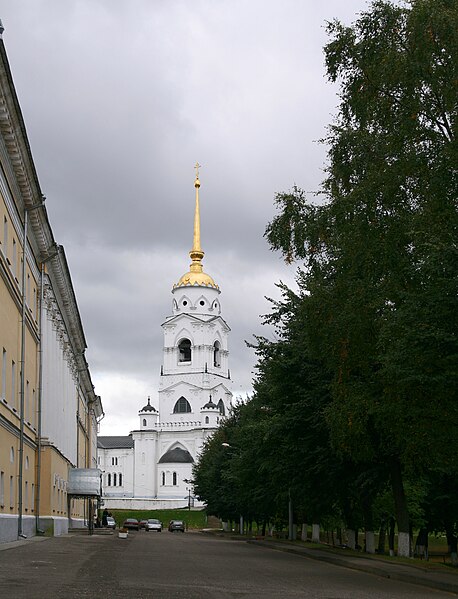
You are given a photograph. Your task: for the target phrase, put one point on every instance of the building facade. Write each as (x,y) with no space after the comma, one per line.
(152,467)
(48,408)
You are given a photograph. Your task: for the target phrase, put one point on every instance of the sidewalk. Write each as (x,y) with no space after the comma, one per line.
(433,576)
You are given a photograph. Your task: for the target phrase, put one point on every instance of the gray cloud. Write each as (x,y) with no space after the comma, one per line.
(120,99)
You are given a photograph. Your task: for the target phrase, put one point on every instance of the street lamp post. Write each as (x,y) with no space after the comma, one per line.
(188,489)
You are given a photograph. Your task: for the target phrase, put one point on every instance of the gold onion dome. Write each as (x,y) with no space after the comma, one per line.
(196,275)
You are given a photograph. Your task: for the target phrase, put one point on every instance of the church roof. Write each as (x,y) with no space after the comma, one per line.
(148,407)
(115,442)
(210,405)
(176,456)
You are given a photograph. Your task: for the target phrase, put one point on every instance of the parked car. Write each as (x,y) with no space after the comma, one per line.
(176,525)
(111,522)
(142,524)
(153,524)
(131,523)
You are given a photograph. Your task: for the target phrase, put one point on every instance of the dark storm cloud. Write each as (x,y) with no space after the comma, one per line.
(120,99)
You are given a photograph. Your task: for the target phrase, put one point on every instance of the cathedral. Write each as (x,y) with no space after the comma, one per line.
(151,468)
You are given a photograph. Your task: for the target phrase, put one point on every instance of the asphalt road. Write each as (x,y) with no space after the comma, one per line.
(184,566)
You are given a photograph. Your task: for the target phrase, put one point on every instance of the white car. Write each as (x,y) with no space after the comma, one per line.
(111,522)
(153,524)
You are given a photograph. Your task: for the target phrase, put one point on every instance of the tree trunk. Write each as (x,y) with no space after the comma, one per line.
(452,544)
(304,532)
(315,533)
(391,536)
(381,537)
(351,540)
(402,514)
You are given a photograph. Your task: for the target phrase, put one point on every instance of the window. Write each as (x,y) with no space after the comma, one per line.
(26,495)
(34,407)
(14,258)
(2,489)
(182,406)
(32,498)
(4,374)
(144,421)
(207,419)
(5,236)
(109,480)
(143,457)
(11,492)
(174,478)
(114,479)
(162,478)
(26,462)
(120,479)
(26,406)
(12,455)
(221,408)
(13,383)
(217,354)
(184,351)
(114,461)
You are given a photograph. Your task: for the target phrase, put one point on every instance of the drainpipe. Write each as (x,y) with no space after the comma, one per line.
(20,532)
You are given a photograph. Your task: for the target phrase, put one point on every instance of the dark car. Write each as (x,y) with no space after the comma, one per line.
(176,525)
(142,524)
(130,523)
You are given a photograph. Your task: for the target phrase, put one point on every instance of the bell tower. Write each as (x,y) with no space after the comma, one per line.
(195,352)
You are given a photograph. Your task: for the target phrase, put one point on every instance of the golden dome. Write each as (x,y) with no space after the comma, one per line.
(196,275)
(196,278)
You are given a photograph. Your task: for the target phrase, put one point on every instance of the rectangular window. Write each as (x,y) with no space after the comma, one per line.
(13,383)
(28,290)
(27,407)
(4,374)
(34,409)
(5,236)
(14,258)
(26,495)
(11,492)
(2,489)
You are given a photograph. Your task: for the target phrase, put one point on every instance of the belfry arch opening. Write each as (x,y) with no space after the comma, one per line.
(217,353)
(184,350)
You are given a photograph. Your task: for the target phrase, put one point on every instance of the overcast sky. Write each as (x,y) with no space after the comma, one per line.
(120,99)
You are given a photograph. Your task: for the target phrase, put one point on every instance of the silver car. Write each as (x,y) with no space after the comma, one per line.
(153,524)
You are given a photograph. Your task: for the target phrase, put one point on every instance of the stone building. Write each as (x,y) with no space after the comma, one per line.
(152,466)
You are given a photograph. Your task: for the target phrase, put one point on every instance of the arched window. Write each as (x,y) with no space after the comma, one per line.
(221,408)
(174,478)
(144,421)
(182,406)
(217,354)
(162,478)
(109,480)
(114,479)
(184,351)
(12,455)
(207,419)
(120,479)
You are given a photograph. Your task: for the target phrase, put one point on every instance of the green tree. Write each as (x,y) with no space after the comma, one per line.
(380,255)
